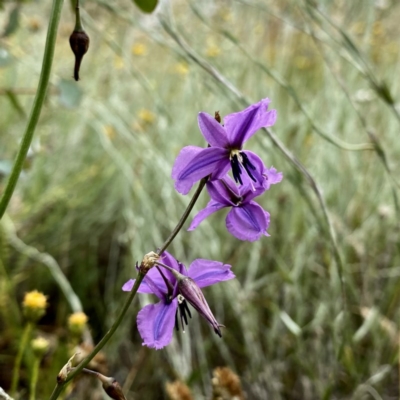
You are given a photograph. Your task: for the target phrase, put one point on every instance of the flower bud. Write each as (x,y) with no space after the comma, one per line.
(193,294)
(79,42)
(111,387)
(40,346)
(34,305)
(77,323)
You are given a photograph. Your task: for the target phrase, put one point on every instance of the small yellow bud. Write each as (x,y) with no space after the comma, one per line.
(139,49)
(40,346)
(146,116)
(34,305)
(77,322)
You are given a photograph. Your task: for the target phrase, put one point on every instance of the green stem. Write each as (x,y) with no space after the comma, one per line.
(184,216)
(60,386)
(17,365)
(37,104)
(34,378)
(78,22)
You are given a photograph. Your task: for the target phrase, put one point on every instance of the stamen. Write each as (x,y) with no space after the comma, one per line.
(183,309)
(247,165)
(240,159)
(236,170)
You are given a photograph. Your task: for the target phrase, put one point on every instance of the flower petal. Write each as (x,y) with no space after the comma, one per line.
(147,286)
(242,125)
(247,222)
(212,131)
(211,208)
(156,323)
(167,259)
(271,177)
(209,272)
(127,287)
(185,156)
(191,166)
(257,172)
(224,191)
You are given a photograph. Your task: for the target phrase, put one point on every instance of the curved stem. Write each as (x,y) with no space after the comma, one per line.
(37,104)
(18,359)
(184,217)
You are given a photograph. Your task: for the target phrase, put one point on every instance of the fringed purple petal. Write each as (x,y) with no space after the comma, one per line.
(209,272)
(156,322)
(212,131)
(248,222)
(271,177)
(211,208)
(242,125)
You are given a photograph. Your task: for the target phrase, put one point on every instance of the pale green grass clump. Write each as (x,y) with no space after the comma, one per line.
(314,312)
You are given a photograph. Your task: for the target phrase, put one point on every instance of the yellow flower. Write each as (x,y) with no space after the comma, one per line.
(34,305)
(181,68)
(213,50)
(146,116)
(35,300)
(77,322)
(109,131)
(139,49)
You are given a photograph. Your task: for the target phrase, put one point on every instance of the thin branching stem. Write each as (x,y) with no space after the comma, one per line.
(37,105)
(184,217)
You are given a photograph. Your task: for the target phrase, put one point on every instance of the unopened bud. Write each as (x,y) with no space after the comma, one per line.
(111,387)
(79,41)
(77,323)
(40,346)
(34,305)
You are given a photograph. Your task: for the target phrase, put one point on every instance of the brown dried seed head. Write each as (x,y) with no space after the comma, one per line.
(226,385)
(178,390)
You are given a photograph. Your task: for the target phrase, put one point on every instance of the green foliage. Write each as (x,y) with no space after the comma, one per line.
(98,195)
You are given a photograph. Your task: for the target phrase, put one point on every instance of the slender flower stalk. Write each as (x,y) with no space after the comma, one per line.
(17,365)
(37,104)
(34,378)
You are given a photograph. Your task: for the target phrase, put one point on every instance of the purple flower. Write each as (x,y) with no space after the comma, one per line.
(225,151)
(174,287)
(246,220)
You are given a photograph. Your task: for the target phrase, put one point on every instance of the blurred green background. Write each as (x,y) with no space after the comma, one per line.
(96,194)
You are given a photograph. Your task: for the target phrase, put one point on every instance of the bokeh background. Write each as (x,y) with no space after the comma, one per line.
(314,311)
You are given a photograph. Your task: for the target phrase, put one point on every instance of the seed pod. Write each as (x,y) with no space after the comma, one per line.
(79,41)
